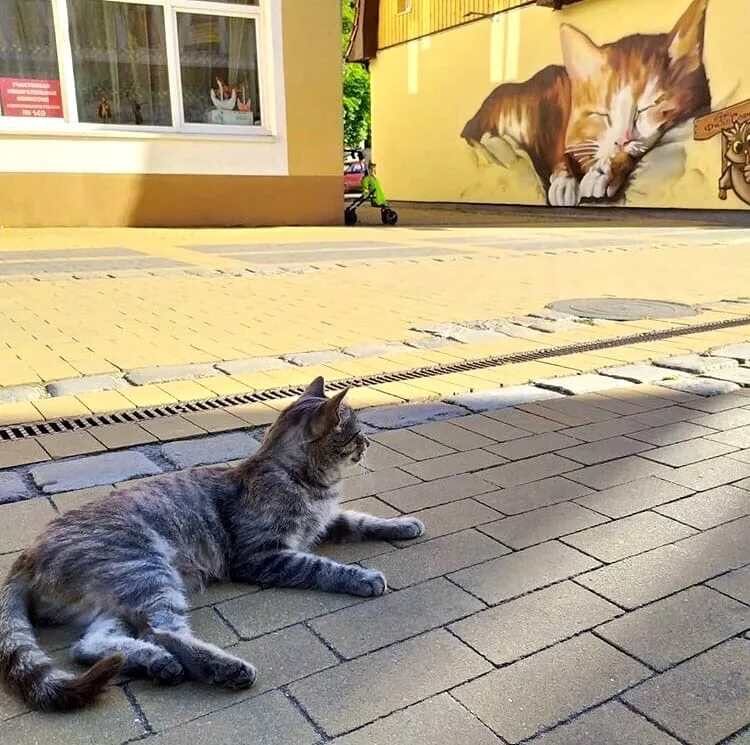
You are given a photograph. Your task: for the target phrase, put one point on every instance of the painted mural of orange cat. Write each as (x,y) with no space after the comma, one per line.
(586,124)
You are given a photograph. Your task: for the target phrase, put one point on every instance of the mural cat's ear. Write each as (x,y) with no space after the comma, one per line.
(583,59)
(686,40)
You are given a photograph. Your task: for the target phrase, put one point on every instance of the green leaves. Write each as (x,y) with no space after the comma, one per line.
(356,92)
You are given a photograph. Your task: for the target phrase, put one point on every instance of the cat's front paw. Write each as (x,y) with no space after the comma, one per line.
(595,183)
(564,190)
(407,527)
(370,583)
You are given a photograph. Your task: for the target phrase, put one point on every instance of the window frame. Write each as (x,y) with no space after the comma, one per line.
(69,124)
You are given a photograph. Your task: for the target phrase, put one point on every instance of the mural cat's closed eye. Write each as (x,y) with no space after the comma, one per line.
(586,124)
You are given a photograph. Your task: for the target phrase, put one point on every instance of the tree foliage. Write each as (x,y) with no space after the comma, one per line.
(356,87)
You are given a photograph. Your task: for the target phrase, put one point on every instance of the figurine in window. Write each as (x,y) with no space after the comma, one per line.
(242,102)
(105,111)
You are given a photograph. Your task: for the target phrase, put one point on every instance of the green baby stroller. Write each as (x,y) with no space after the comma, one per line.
(372,192)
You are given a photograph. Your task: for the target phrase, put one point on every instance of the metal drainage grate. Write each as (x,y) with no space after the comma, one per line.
(22,431)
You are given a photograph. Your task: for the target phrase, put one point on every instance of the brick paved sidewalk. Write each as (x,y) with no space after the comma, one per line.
(96,321)
(584,580)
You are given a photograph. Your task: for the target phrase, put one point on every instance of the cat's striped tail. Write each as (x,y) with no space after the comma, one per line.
(27,670)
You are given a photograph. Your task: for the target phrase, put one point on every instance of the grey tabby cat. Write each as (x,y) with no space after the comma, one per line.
(122,567)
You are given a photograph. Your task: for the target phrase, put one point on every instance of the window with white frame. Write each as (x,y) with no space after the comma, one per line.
(186,65)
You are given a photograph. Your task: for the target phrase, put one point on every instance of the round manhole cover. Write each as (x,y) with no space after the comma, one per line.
(622,309)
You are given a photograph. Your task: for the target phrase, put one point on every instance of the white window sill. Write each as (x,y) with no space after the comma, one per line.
(228,133)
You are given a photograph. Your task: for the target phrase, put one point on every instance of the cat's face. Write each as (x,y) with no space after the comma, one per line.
(324,432)
(738,144)
(627,94)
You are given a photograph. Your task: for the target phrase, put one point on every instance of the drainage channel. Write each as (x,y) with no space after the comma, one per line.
(56,426)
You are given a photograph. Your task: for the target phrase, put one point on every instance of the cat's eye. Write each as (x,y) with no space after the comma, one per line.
(603,115)
(738,147)
(638,112)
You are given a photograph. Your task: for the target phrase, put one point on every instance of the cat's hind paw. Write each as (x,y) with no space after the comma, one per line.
(564,191)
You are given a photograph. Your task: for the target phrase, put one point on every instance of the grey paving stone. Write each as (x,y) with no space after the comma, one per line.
(408,415)
(744,457)
(368,484)
(615,472)
(670,631)
(583,383)
(665,415)
(88,383)
(423,561)
(280,658)
(737,375)
(532,622)
(532,469)
(214,449)
(738,437)
(449,434)
(372,506)
(394,617)
(206,624)
(452,517)
(704,699)
(570,411)
(438,720)
(723,420)
(739,351)
(491,428)
(111,722)
(351,553)
(377,457)
(344,697)
(426,341)
(715,404)
(162,374)
(700,386)
(420,496)
(411,444)
(463,334)
(634,496)
(92,470)
(532,423)
(736,584)
(270,719)
(251,364)
(376,350)
(521,531)
(526,447)
(304,359)
(640,579)
(709,473)
(610,724)
(709,508)
(500,398)
(260,612)
(669,434)
(454,464)
(547,688)
(639,373)
(13,488)
(623,425)
(218,592)
(531,496)
(694,363)
(18,393)
(685,453)
(523,571)
(604,450)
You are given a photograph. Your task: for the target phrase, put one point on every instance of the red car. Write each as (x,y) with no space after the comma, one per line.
(353,175)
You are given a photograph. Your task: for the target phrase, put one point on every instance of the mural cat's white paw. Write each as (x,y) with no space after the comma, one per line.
(564,191)
(594,184)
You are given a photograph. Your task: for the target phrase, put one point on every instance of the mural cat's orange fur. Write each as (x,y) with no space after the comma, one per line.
(585,125)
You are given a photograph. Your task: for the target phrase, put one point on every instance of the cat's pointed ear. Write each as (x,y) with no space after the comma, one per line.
(685,44)
(583,59)
(316,389)
(328,415)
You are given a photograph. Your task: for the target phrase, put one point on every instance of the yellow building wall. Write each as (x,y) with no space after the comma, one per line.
(425,91)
